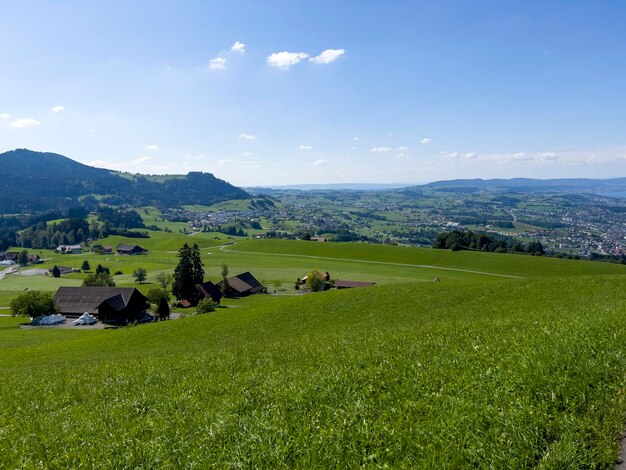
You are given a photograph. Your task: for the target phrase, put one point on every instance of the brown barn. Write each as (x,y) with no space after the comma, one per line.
(209,290)
(243,284)
(130,250)
(117,305)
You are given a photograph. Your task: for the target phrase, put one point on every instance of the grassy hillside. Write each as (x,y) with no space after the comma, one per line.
(497,263)
(278,263)
(507,374)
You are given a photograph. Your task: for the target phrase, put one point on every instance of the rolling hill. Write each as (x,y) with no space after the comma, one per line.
(37,181)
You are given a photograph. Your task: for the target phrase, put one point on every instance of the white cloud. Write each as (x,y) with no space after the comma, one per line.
(238,47)
(381,149)
(285,60)
(320,162)
(459,155)
(57,109)
(5,116)
(305,147)
(92,131)
(226,160)
(25,122)
(247,154)
(137,161)
(327,56)
(248,137)
(426,140)
(151,148)
(403,149)
(548,156)
(355,139)
(219,63)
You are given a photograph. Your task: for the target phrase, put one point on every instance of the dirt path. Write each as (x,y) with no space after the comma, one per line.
(425,266)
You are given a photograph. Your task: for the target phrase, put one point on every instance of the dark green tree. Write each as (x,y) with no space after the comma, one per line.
(85,266)
(140,275)
(188,272)
(163,310)
(22,258)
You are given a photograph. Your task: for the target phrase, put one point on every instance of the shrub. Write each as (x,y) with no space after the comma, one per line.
(34,304)
(205,306)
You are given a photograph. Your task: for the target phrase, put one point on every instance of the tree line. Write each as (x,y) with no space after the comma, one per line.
(469,240)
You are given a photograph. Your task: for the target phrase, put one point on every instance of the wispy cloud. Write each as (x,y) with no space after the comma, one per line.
(25,122)
(248,137)
(285,60)
(139,160)
(225,160)
(320,162)
(381,149)
(238,47)
(459,155)
(151,148)
(57,109)
(426,140)
(327,56)
(5,116)
(305,147)
(247,154)
(219,63)
(355,139)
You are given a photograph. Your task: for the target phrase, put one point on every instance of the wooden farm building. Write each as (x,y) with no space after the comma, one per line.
(209,290)
(130,250)
(242,285)
(118,305)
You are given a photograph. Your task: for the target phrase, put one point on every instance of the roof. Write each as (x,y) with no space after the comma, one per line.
(128,247)
(87,299)
(346,284)
(208,289)
(244,282)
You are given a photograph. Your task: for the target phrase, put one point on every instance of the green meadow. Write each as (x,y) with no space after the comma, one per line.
(506,374)
(510,361)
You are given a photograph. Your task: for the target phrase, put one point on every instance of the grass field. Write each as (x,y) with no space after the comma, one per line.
(508,374)
(278,263)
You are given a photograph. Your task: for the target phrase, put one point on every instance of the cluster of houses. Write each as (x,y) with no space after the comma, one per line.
(123,305)
(123,249)
(9,258)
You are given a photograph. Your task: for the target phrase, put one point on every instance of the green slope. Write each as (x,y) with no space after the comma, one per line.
(508,374)
(499,263)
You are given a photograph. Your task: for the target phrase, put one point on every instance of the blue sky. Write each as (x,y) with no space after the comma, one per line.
(287,92)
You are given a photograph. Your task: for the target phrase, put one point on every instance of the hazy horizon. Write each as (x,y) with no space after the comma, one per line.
(294,93)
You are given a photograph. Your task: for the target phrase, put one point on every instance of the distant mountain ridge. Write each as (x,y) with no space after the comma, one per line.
(38,181)
(530,185)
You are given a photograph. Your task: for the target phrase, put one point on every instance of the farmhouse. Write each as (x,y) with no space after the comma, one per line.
(130,250)
(209,290)
(102,250)
(9,256)
(243,284)
(339,284)
(118,305)
(65,249)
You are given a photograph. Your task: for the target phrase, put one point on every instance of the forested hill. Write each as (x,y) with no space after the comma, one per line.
(37,181)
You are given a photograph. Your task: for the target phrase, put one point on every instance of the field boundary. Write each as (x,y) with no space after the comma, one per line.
(408,265)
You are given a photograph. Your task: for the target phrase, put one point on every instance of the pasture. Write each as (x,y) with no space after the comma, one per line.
(508,374)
